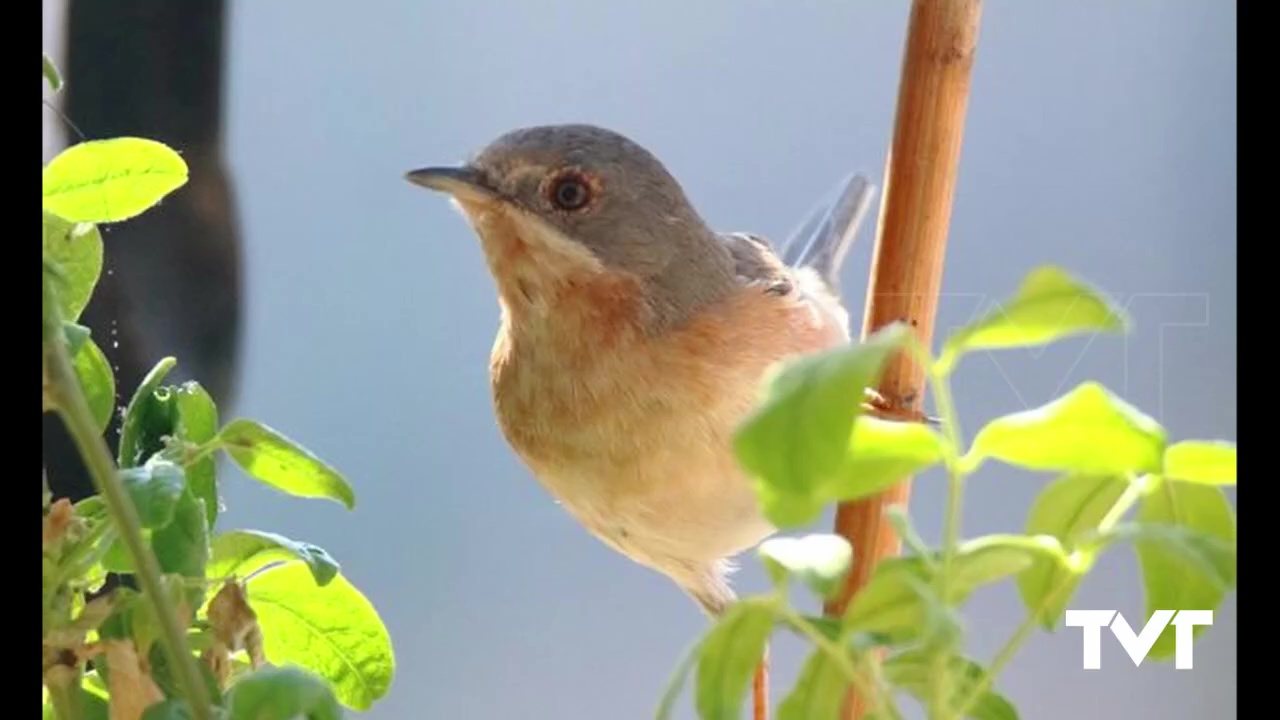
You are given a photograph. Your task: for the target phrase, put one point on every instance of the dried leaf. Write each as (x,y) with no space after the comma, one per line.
(57,521)
(131,687)
(235,628)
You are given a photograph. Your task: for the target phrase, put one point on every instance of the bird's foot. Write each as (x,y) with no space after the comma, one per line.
(901,411)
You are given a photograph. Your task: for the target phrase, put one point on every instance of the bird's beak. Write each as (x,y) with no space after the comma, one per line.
(462,182)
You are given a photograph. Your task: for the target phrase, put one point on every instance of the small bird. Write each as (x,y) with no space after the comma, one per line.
(633,338)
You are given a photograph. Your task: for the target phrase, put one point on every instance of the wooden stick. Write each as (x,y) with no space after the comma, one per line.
(906,270)
(760,689)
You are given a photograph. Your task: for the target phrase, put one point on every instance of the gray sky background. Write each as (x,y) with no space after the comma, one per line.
(1101,137)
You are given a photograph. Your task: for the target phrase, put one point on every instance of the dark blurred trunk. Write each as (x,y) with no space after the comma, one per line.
(171,280)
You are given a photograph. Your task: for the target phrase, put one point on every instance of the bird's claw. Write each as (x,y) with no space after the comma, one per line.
(883,408)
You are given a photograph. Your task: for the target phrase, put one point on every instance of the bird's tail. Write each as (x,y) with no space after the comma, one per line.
(823,240)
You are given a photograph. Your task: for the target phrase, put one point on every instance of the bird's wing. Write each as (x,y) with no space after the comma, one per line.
(823,239)
(756,263)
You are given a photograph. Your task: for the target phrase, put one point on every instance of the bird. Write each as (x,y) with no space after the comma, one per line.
(633,338)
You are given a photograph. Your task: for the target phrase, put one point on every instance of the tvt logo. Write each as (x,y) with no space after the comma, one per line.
(1138,644)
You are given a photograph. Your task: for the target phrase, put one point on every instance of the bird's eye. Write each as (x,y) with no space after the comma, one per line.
(570,192)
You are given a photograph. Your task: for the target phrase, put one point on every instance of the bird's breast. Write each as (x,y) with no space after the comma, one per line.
(632,432)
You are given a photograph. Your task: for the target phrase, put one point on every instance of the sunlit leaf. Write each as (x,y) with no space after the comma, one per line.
(101,181)
(1201,461)
(1087,431)
(279,462)
(1049,305)
(331,630)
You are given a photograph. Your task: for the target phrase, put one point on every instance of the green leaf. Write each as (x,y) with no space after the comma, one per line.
(818,693)
(989,559)
(795,441)
(1186,551)
(97,382)
(281,463)
(1069,508)
(103,181)
(75,249)
(882,454)
(144,625)
(51,74)
(116,559)
(240,552)
(1201,461)
(50,314)
(1049,305)
(110,552)
(828,627)
(731,652)
(820,561)
(281,693)
(182,546)
(1087,431)
(912,670)
(197,424)
(899,601)
(331,630)
(76,335)
(895,604)
(154,489)
(146,418)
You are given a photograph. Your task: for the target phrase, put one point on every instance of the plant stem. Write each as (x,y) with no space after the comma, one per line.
(872,661)
(74,409)
(1012,645)
(1137,487)
(939,699)
(836,653)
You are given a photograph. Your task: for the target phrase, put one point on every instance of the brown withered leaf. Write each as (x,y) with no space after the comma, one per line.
(57,521)
(235,628)
(130,685)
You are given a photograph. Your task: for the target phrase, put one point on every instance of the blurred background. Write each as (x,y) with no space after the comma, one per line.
(307,285)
